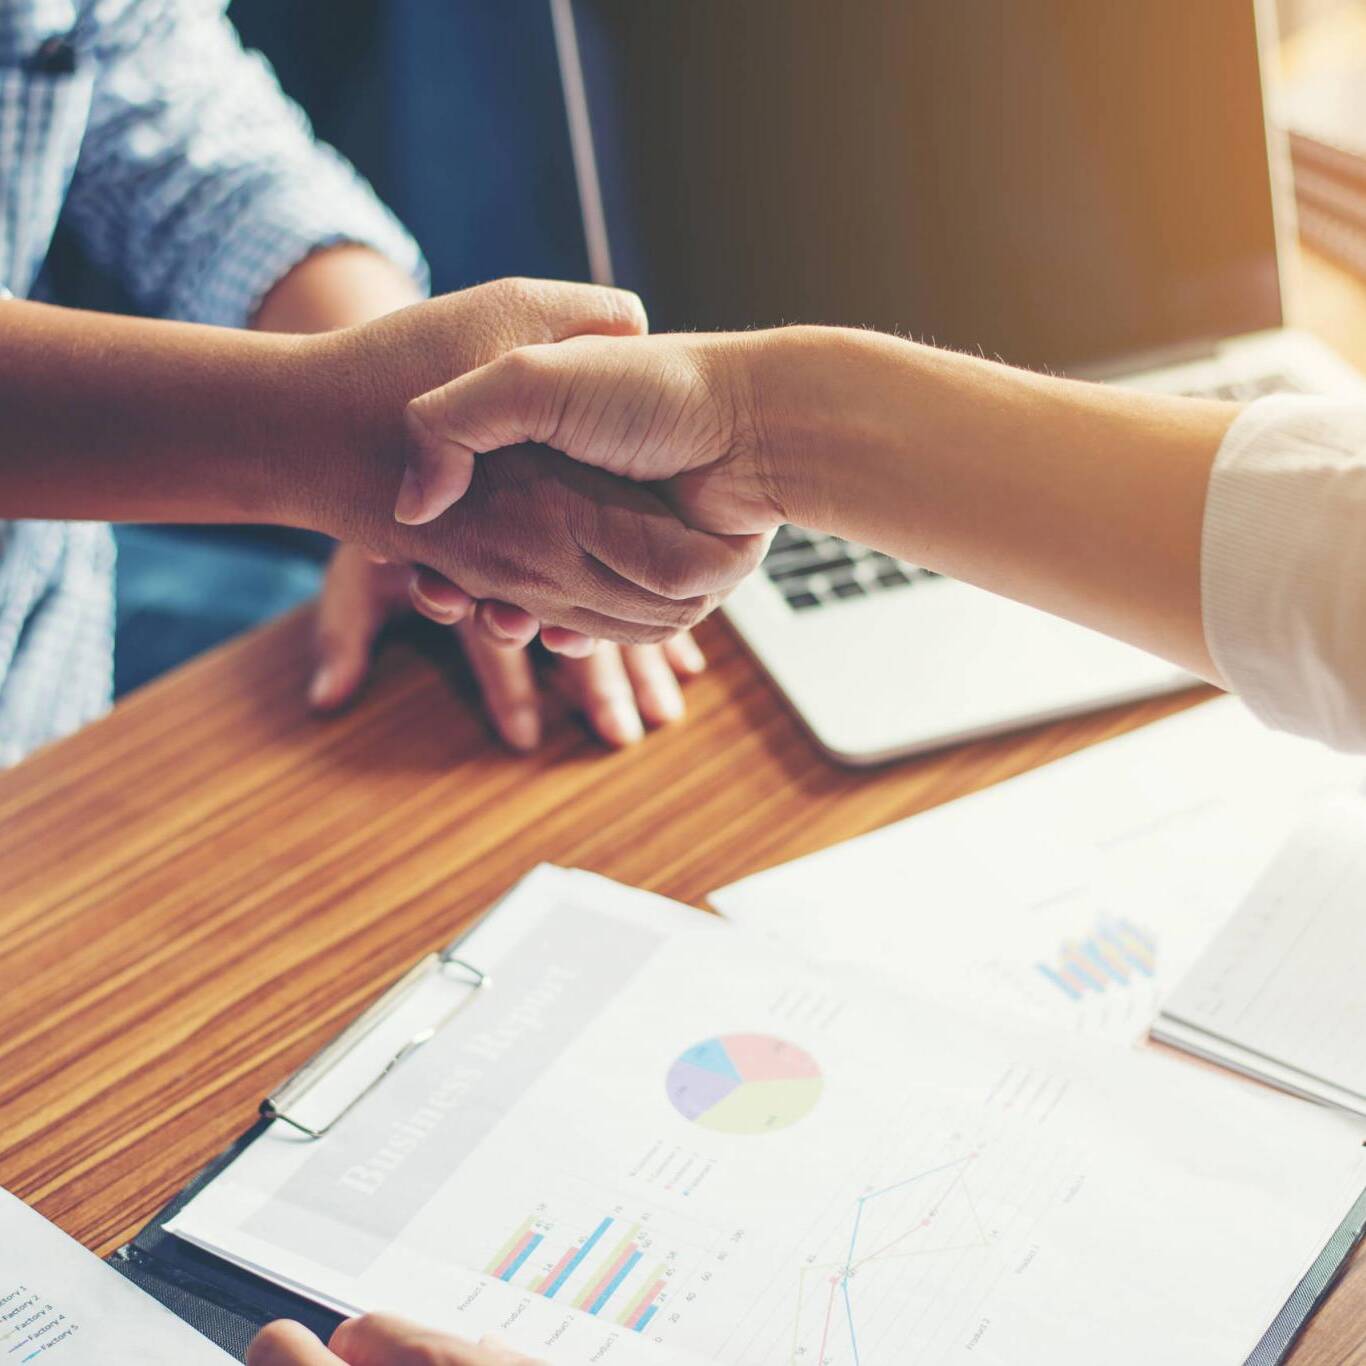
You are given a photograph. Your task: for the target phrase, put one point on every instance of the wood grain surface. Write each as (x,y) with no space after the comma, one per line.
(199,890)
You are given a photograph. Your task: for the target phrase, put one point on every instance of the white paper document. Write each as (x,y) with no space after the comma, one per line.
(61,1306)
(658,1138)
(1281,990)
(1076,894)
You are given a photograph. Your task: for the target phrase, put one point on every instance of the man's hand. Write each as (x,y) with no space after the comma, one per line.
(679,408)
(574,548)
(377,1340)
(619,691)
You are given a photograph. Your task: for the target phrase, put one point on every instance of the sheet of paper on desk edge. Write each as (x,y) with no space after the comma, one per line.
(1076,893)
(56,1297)
(1277,994)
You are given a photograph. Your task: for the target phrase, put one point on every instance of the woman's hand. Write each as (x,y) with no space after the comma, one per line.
(377,1340)
(619,690)
(681,408)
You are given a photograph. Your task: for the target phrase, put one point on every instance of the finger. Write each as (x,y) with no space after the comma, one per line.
(601,689)
(553,310)
(655,551)
(445,429)
(599,627)
(501,1353)
(685,654)
(284,1343)
(438,598)
(440,461)
(351,611)
(506,625)
(383,1340)
(572,644)
(507,683)
(658,696)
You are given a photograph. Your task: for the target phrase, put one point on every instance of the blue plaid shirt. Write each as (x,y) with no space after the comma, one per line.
(173,155)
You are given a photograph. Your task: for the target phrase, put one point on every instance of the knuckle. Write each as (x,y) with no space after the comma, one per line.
(696,609)
(522,365)
(642,632)
(509,287)
(646,634)
(630,308)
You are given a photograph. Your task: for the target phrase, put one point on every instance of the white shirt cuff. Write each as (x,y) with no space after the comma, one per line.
(1283,565)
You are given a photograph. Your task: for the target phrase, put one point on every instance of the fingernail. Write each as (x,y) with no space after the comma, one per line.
(438,611)
(522,728)
(622,724)
(408,506)
(668,702)
(689,655)
(323,686)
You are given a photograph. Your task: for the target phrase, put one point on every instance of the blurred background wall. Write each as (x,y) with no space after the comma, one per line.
(452,109)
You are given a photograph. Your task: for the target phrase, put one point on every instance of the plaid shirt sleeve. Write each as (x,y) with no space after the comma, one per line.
(199,182)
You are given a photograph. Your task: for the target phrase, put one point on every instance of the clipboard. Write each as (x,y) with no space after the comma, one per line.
(229,1305)
(223,1302)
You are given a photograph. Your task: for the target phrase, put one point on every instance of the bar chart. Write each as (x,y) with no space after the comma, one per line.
(612,1270)
(1115,955)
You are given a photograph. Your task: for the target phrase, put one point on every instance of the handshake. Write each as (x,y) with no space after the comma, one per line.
(660,508)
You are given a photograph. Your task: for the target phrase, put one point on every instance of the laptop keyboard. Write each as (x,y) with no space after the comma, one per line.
(811,569)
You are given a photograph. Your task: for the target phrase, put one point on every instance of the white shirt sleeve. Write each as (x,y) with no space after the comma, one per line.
(1283,566)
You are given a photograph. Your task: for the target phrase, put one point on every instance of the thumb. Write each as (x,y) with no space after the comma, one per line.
(351,611)
(514,399)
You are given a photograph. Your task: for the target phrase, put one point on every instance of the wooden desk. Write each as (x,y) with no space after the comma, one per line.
(199,890)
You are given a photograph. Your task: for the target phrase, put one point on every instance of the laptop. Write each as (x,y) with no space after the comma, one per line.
(1088,188)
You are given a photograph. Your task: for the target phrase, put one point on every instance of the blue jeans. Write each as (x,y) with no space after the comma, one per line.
(183,590)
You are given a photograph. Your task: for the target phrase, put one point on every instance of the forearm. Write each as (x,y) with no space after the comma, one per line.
(336,287)
(123,419)
(1084,500)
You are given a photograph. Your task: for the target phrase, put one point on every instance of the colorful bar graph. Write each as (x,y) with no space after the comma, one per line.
(569,1263)
(510,1250)
(1059,981)
(1111,956)
(610,1289)
(636,1309)
(1138,948)
(640,1323)
(527,1247)
(610,1273)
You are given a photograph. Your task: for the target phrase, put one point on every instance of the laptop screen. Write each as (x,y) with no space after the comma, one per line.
(1056,182)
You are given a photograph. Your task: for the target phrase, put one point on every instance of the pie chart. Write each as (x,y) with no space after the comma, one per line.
(744,1083)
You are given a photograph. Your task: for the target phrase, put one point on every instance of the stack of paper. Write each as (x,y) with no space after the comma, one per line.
(1279,992)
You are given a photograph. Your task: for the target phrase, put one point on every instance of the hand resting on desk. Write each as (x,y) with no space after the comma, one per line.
(619,690)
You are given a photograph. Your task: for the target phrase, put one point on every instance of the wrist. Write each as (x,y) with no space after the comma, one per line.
(813,422)
(336,461)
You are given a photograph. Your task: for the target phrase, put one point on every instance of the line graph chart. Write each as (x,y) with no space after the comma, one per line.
(927,1214)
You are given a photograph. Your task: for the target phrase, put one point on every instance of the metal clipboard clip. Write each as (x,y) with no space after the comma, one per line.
(286,1097)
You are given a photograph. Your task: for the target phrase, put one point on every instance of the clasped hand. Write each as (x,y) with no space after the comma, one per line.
(677,413)
(574,547)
